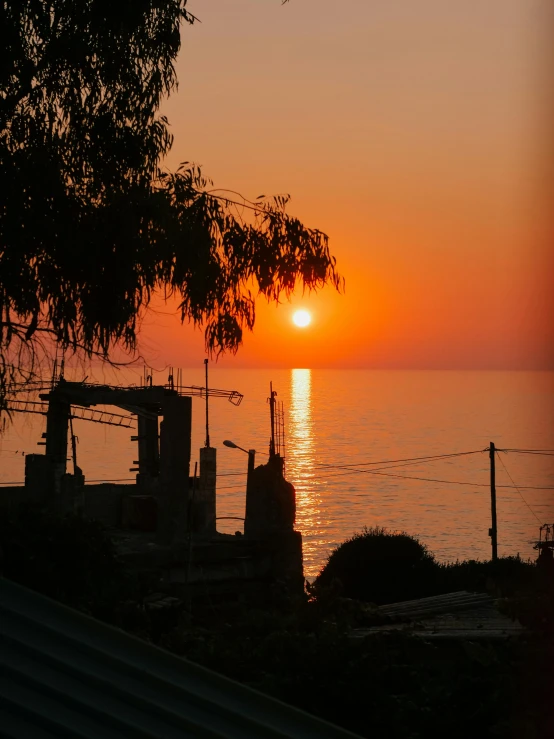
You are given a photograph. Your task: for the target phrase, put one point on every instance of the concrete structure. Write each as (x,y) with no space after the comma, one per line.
(167,520)
(203,499)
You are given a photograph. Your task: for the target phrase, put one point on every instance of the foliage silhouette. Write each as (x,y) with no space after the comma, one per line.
(502,577)
(379,566)
(90,227)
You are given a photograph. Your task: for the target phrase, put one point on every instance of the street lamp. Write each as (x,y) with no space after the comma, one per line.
(251,456)
(249,478)
(232,445)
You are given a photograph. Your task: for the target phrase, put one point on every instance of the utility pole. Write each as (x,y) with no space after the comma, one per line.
(493,530)
(207,418)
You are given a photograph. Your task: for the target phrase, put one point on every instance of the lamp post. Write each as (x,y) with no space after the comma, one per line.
(249,475)
(251,453)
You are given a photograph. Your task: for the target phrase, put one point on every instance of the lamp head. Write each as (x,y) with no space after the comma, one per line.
(230,444)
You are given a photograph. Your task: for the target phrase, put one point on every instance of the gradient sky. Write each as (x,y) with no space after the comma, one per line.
(413,134)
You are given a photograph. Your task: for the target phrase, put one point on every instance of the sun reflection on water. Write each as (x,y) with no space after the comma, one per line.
(301,455)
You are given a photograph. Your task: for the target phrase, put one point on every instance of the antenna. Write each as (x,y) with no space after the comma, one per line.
(280,429)
(207,411)
(54,369)
(283,450)
(272,401)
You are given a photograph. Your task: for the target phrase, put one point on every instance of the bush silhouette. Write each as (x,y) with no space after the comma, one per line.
(379,566)
(503,577)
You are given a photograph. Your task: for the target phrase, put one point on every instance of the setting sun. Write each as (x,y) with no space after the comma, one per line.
(302,318)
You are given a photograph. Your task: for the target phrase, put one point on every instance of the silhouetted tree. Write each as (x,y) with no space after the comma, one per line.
(90,228)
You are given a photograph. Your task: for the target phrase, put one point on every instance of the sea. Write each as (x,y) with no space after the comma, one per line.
(400,449)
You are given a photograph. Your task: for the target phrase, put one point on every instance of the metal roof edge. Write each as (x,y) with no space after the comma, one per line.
(114,644)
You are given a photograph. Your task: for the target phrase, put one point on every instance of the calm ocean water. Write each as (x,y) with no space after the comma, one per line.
(365,419)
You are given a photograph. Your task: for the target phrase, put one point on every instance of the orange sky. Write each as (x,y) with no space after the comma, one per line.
(413,134)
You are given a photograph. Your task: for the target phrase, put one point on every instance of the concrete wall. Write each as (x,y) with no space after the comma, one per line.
(103,501)
(13,496)
(203,503)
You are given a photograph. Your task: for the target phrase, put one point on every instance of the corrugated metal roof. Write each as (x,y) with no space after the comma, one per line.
(447,603)
(65,674)
(459,615)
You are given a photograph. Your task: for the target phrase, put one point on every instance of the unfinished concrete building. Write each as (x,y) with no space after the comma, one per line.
(165,522)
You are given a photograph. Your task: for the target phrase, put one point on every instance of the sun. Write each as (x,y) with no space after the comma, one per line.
(302,318)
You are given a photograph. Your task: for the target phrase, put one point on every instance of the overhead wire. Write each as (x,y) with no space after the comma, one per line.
(387,464)
(354,469)
(121,479)
(385,467)
(403,477)
(518,490)
(539,452)
(527,450)
(428,479)
(411,459)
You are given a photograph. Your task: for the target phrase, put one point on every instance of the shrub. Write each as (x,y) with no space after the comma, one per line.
(504,577)
(379,566)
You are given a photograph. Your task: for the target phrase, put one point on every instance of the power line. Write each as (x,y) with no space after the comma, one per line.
(428,479)
(405,477)
(122,479)
(518,490)
(386,467)
(409,459)
(530,487)
(126,479)
(531,451)
(539,452)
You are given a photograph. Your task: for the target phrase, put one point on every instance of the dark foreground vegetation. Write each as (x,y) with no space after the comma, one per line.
(299,650)
(378,566)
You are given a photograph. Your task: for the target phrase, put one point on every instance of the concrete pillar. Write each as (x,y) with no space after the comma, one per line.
(39,479)
(72,494)
(57,426)
(270,514)
(175,444)
(270,500)
(148,453)
(203,502)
